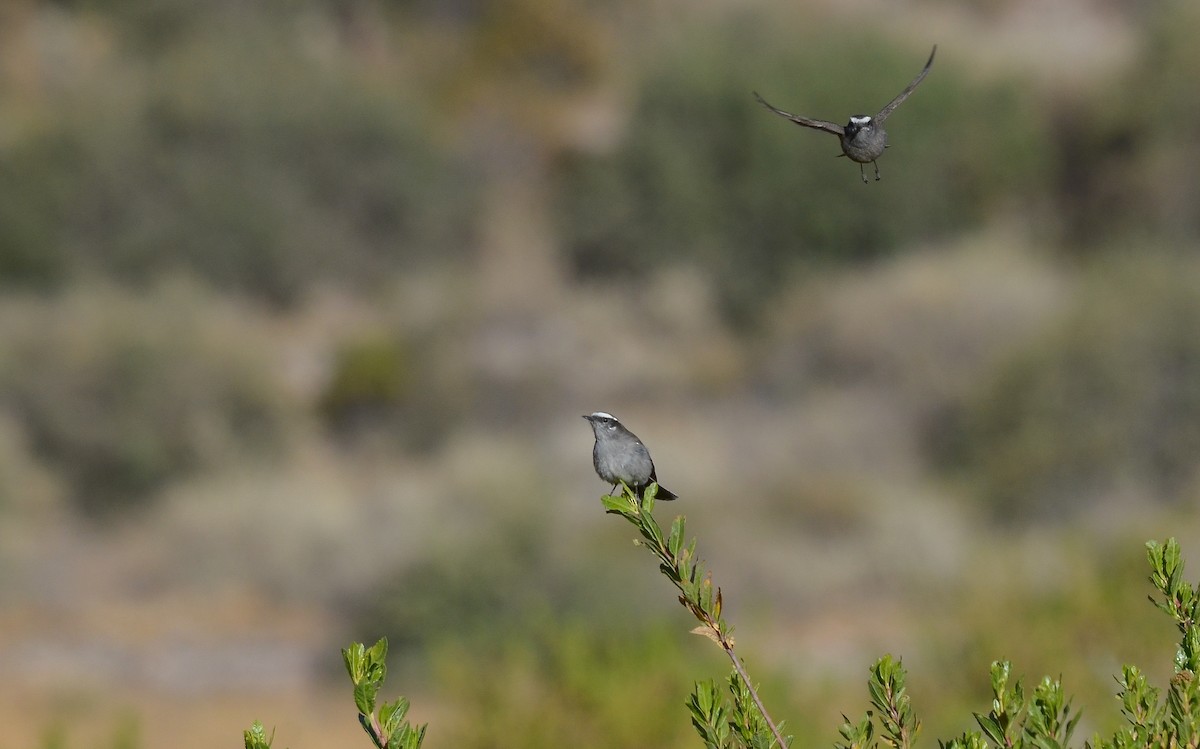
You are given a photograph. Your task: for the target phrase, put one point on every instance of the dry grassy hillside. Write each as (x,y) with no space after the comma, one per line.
(300,306)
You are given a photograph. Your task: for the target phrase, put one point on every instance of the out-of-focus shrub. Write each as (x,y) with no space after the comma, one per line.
(1166,108)
(1105,405)
(923,327)
(120,394)
(33,196)
(397,388)
(371,382)
(1127,152)
(150,24)
(565,683)
(705,175)
(27,489)
(473,592)
(239,153)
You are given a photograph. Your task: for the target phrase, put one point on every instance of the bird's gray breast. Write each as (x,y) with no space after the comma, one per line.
(865,145)
(617,460)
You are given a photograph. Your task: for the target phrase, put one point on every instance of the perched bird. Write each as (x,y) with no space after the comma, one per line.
(863,138)
(620,456)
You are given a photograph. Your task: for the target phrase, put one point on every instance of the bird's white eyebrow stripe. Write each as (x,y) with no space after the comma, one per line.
(860,120)
(603,415)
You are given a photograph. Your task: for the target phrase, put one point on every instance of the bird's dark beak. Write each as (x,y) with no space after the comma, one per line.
(587,416)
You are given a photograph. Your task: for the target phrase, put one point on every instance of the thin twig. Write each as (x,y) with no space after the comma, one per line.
(720,636)
(377,732)
(737,665)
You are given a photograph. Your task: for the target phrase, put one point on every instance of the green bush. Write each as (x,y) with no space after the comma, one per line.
(1106,403)
(569,683)
(371,383)
(572,690)
(485,589)
(121,394)
(1164,111)
(1126,160)
(470,596)
(392,386)
(237,154)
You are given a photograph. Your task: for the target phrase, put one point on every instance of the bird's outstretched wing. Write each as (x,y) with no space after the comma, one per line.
(891,106)
(828,127)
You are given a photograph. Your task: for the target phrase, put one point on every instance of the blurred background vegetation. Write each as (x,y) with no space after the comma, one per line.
(300,303)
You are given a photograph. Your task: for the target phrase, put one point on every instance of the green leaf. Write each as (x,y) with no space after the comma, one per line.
(1000,673)
(1071,724)
(990,728)
(859,735)
(706,595)
(652,490)
(876,690)
(968,740)
(651,530)
(675,540)
(364,697)
(1139,700)
(709,714)
(688,588)
(256,737)
(365,722)
(704,695)
(353,657)
(618,505)
(378,655)
(407,737)
(391,715)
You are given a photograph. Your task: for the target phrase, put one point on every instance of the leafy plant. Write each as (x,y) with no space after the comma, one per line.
(256,737)
(1105,403)
(1041,718)
(386,726)
(1046,719)
(748,717)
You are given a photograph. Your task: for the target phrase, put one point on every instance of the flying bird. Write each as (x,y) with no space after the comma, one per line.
(863,137)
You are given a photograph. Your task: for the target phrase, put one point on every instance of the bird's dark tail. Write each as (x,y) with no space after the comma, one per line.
(664,494)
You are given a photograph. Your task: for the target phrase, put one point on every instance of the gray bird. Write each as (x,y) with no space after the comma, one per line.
(863,138)
(619,455)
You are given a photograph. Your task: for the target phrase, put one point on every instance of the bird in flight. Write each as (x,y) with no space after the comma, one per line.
(863,137)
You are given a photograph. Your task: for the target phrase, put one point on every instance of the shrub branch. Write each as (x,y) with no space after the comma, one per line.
(678,562)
